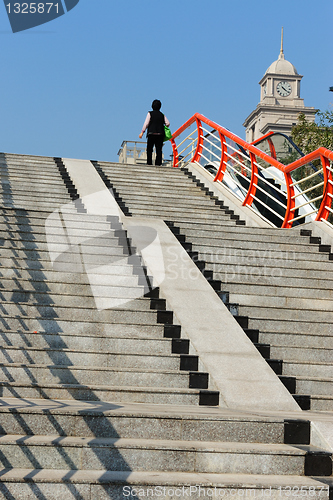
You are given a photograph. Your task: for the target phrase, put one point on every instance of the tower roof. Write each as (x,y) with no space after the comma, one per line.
(281,65)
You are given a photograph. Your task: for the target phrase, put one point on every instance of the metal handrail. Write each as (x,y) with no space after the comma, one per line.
(271,135)
(252,156)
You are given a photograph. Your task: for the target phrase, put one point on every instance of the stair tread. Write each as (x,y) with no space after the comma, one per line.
(305,362)
(183,373)
(111,388)
(156,478)
(209,446)
(318,379)
(148,409)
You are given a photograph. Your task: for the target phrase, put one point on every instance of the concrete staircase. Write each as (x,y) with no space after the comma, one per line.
(45,308)
(99,391)
(277,282)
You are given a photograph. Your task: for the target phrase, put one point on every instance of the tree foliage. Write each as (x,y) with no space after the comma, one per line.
(309,136)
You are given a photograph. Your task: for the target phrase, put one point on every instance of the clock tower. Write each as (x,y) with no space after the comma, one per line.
(280,101)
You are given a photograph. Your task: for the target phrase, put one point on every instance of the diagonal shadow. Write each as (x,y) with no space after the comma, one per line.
(24,260)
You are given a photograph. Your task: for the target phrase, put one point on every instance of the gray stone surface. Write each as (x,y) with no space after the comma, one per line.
(121,418)
(94,484)
(224,349)
(54,452)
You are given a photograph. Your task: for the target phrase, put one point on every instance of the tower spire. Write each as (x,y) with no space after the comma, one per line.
(281,56)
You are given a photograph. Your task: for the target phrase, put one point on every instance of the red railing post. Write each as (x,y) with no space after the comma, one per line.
(198,151)
(271,148)
(326,202)
(290,202)
(253,183)
(223,162)
(175,153)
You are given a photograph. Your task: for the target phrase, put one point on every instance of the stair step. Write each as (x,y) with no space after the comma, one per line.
(302,340)
(141,455)
(133,331)
(314,385)
(98,258)
(132,314)
(321,402)
(93,484)
(99,419)
(142,341)
(222,253)
(30,278)
(85,326)
(66,357)
(299,354)
(87,375)
(308,368)
(292,326)
(320,304)
(250,234)
(307,314)
(116,394)
(268,286)
(279,266)
(255,246)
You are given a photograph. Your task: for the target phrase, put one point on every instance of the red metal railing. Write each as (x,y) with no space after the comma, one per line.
(256,160)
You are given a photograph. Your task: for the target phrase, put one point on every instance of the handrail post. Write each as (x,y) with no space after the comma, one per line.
(253,183)
(125,152)
(272,148)
(198,151)
(134,154)
(175,161)
(326,202)
(290,201)
(223,163)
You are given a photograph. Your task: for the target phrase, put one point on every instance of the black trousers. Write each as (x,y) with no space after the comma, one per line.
(157,141)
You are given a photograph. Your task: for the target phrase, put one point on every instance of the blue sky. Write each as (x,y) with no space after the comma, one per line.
(81,84)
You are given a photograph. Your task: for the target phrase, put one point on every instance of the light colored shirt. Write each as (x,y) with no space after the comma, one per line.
(147,121)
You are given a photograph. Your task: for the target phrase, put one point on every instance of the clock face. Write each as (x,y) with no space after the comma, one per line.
(284,89)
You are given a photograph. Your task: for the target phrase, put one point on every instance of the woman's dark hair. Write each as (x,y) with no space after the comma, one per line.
(156,105)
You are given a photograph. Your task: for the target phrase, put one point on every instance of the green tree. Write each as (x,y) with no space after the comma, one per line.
(309,136)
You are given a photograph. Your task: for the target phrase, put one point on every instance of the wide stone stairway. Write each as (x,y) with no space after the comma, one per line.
(277,282)
(101,394)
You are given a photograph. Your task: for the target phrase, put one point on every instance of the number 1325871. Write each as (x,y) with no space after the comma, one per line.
(33,8)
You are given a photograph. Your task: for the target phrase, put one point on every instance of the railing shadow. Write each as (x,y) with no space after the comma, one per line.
(24,263)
